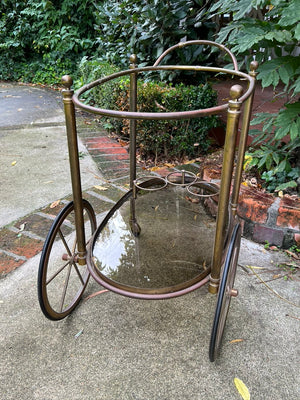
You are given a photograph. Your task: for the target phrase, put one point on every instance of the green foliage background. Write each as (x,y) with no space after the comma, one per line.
(270,31)
(41,40)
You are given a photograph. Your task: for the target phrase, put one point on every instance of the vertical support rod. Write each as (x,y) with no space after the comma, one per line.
(242,144)
(133,108)
(226,177)
(135,228)
(69,110)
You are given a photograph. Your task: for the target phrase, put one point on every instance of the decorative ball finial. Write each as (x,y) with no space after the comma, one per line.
(253,66)
(133,58)
(236,92)
(67,81)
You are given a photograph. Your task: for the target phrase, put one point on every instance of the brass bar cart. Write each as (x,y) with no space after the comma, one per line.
(153,243)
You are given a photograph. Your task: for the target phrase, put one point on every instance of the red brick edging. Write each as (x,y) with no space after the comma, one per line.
(265,217)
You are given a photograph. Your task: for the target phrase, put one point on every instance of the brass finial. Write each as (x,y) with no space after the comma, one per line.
(133,58)
(67,81)
(236,92)
(253,66)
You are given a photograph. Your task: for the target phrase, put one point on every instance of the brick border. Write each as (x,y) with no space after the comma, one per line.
(266,218)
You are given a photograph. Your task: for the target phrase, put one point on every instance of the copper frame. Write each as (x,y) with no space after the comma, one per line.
(227,204)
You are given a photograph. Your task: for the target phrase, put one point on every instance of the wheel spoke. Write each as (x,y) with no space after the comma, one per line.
(78,273)
(57,272)
(64,242)
(65,288)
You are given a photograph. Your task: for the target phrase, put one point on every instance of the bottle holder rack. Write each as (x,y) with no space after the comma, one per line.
(186,179)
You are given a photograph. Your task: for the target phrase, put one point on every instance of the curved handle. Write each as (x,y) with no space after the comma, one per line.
(198,42)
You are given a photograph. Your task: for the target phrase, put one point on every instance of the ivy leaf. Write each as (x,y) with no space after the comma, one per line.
(286,185)
(281,167)
(294,131)
(284,75)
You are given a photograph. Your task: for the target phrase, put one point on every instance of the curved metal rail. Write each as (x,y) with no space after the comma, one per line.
(161,115)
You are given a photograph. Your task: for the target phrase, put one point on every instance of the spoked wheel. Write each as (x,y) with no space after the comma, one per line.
(226,291)
(61,280)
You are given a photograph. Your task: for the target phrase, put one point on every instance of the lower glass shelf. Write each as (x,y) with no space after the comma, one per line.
(172,251)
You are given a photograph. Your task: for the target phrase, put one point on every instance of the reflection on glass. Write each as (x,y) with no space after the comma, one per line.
(175,244)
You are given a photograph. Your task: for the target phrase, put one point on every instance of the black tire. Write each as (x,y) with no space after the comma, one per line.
(61,281)
(224,295)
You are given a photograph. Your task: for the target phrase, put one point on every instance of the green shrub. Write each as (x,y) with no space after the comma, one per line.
(91,69)
(148,27)
(42,40)
(174,137)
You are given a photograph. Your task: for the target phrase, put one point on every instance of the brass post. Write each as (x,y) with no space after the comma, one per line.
(132,107)
(132,145)
(69,110)
(227,169)
(243,143)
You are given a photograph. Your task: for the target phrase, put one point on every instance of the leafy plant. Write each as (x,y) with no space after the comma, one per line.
(270,32)
(40,40)
(275,167)
(149,27)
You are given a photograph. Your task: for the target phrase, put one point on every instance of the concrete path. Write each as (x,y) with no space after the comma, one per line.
(113,347)
(34,154)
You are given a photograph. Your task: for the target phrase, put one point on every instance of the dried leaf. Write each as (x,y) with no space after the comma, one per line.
(196,201)
(100,187)
(252,267)
(189,162)
(276,276)
(154,168)
(123,143)
(294,255)
(156,208)
(169,165)
(22,227)
(55,204)
(14,163)
(236,341)
(242,389)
